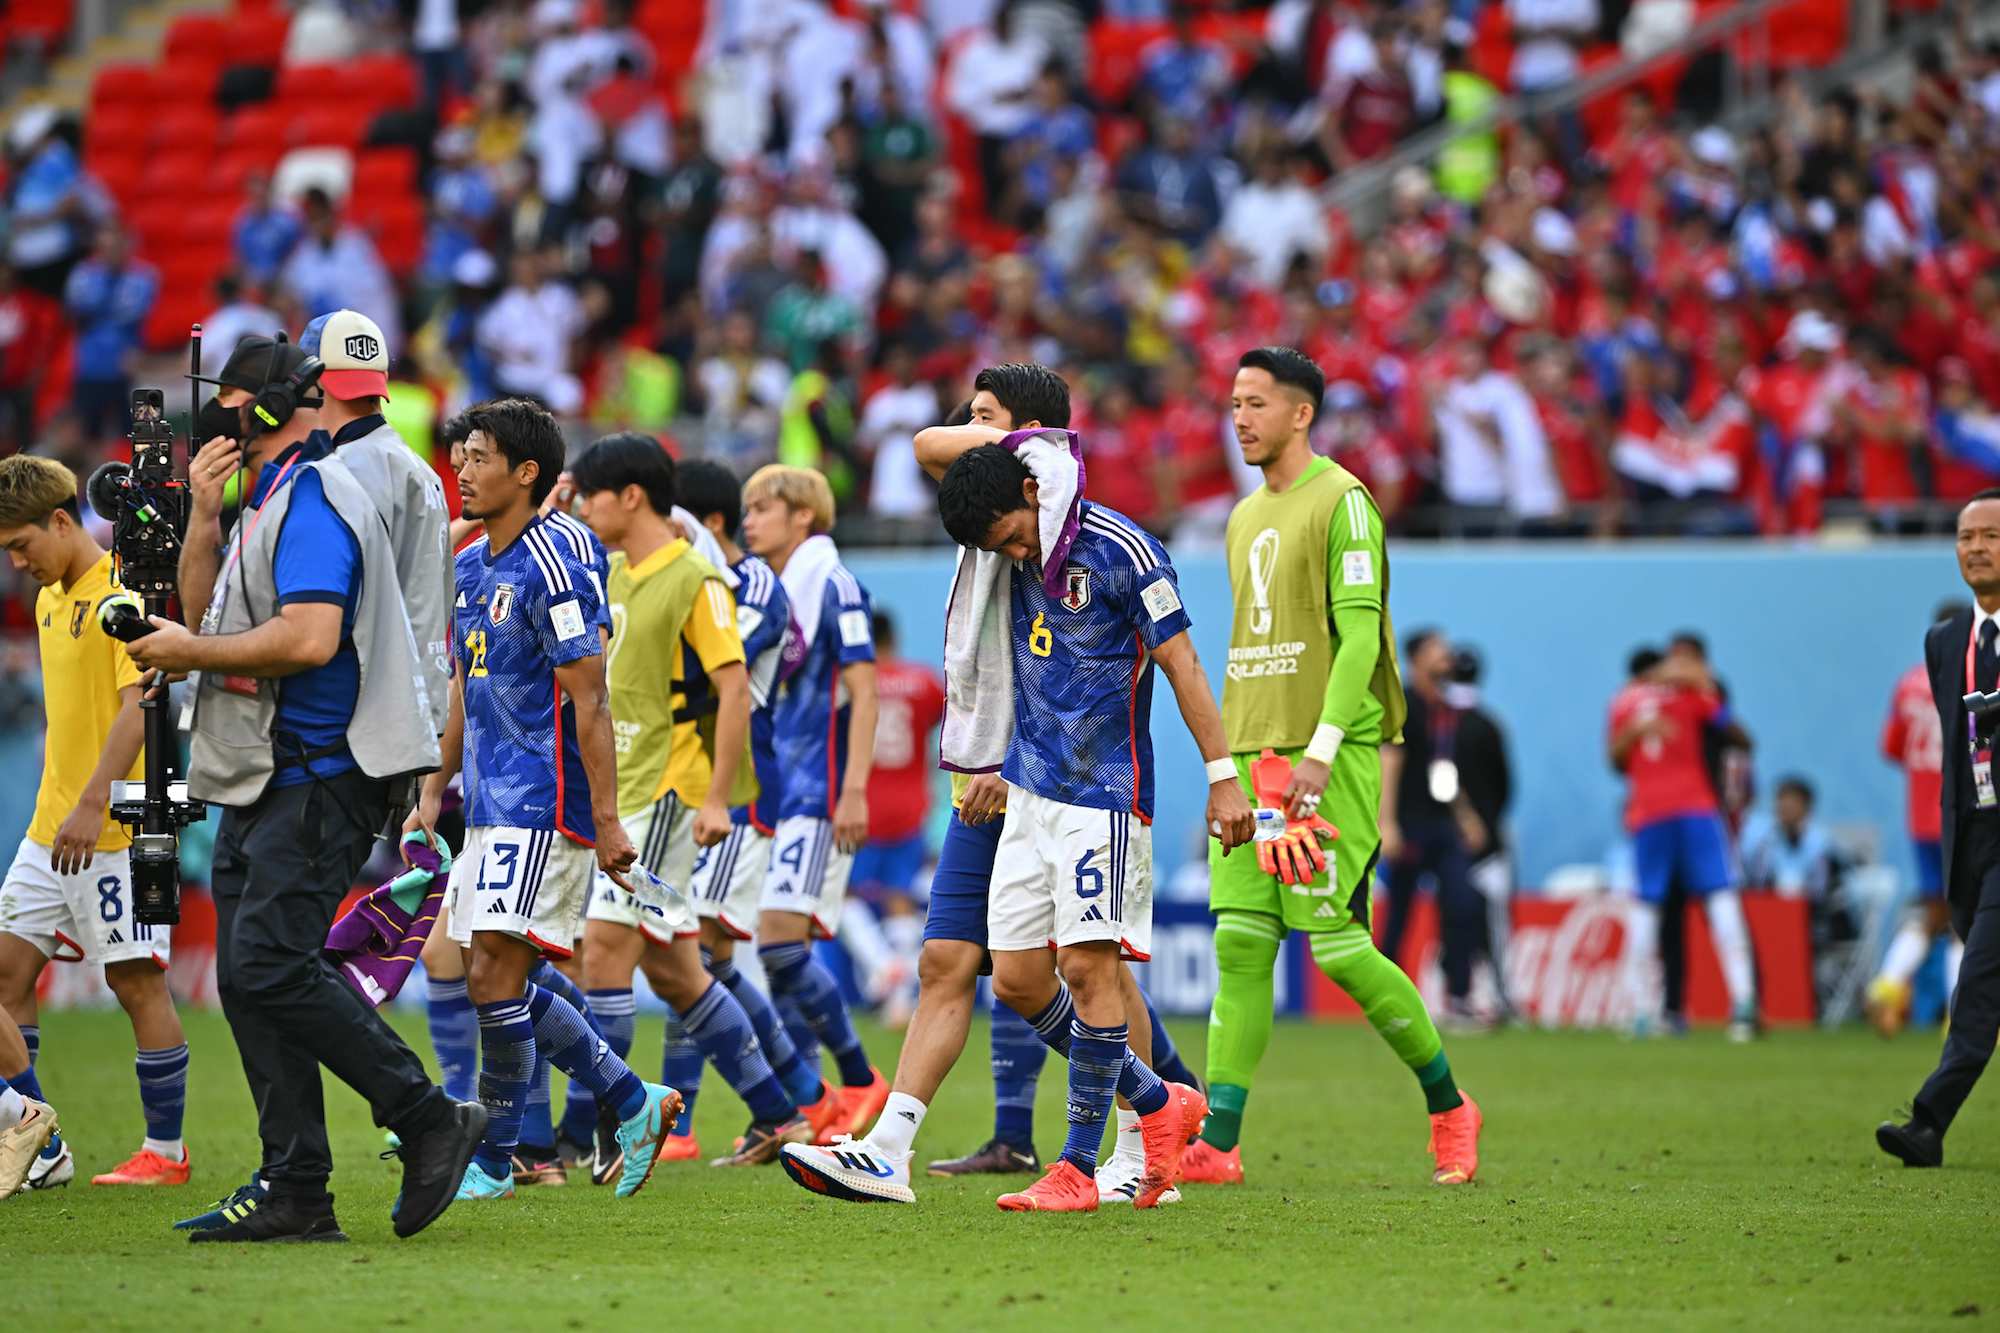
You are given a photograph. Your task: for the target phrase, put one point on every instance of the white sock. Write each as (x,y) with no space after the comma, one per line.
(1642,959)
(171,1149)
(12,1107)
(1954,953)
(1130,1141)
(1906,951)
(897,1128)
(1732,950)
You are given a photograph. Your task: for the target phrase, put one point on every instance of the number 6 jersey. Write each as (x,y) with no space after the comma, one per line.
(1083,668)
(518,615)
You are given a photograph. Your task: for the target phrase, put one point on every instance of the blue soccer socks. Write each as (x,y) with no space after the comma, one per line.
(797,977)
(507,1063)
(163,1096)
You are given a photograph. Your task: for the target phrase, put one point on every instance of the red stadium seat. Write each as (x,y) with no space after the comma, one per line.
(384,81)
(129,84)
(120,174)
(117,128)
(207,225)
(39,22)
(330,126)
(264,130)
(186,126)
(231,172)
(385,171)
(201,39)
(257,36)
(167,327)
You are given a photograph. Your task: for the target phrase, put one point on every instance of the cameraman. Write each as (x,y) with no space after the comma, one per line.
(309,709)
(405,488)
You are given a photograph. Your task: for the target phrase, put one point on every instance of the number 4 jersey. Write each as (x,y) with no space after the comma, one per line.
(518,615)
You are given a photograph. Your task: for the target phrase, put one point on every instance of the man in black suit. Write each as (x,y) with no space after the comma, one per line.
(1968,644)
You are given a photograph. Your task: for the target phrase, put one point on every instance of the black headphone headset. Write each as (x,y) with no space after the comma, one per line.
(278,400)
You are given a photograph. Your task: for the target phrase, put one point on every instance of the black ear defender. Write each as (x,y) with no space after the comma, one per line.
(276,403)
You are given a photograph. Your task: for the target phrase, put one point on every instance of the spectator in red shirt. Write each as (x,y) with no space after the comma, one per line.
(1375,109)
(31,329)
(1357,442)
(1885,419)
(1659,723)
(910,706)
(1574,419)
(1193,433)
(1913,741)
(1126,466)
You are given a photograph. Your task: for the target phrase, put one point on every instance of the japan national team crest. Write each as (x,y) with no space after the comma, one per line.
(1076,588)
(78,619)
(503,602)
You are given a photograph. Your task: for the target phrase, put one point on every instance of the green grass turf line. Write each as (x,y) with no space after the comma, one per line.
(1662,1185)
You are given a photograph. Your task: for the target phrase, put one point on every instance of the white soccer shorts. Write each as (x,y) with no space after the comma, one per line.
(728,880)
(529,883)
(808,873)
(81,918)
(1069,874)
(664,834)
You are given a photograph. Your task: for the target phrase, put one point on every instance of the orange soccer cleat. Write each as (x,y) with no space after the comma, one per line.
(146,1167)
(1455,1143)
(680,1148)
(1166,1134)
(859,1106)
(1205,1164)
(824,1115)
(1063,1189)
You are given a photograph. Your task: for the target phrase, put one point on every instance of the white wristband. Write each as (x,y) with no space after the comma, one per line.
(1220,770)
(1324,744)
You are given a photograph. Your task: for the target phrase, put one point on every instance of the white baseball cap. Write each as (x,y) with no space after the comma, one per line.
(355,352)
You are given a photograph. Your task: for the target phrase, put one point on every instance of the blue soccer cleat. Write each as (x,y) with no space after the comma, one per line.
(233,1208)
(640,1137)
(479,1185)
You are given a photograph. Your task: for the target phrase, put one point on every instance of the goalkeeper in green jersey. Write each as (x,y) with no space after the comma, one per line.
(1310,693)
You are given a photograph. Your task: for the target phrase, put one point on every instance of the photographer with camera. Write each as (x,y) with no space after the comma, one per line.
(68,895)
(309,715)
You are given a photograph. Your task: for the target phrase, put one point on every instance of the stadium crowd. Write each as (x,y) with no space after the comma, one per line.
(1623,320)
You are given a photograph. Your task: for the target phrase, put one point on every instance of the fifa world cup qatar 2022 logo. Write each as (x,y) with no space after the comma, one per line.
(1263,568)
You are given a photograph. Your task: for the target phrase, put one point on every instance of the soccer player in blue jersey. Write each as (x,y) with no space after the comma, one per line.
(824,736)
(530,721)
(956,935)
(1074,864)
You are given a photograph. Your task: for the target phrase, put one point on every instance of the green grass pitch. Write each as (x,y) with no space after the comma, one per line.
(1669,1185)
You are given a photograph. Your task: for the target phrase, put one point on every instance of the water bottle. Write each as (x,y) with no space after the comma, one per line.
(1270,825)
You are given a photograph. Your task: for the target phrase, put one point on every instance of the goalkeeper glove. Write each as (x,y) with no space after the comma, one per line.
(1294,856)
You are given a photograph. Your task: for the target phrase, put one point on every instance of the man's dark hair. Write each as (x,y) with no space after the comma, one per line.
(708,487)
(1643,660)
(455,431)
(1949,608)
(981,487)
(1466,665)
(1798,786)
(1290,367)
(1990,493)
(628,458)
(524,432)
(883,626)
(1416,639)
(1692,641)
(1029,392)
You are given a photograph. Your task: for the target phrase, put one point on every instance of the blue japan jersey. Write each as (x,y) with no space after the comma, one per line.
(1083,674)
(518,616)
(810,718)
(763,617)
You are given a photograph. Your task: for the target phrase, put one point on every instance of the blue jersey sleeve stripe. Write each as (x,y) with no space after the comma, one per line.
(569,528)
(1142,559)
(555,571)
(846,586)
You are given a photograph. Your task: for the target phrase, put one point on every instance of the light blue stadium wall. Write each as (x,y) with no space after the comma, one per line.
(1810,640)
